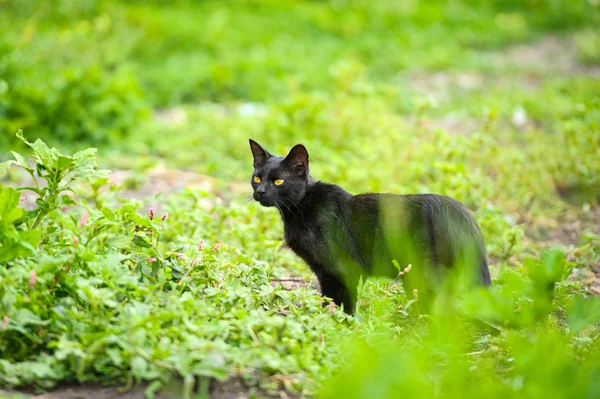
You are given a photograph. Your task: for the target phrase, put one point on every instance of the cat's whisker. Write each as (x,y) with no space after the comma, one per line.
(290,202)
(278,207)
(249,198)
(284,204)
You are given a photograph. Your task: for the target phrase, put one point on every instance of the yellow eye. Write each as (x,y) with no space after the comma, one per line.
(256,179)
(278,182)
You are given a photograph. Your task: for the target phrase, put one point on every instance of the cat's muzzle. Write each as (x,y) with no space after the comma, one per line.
(262,199)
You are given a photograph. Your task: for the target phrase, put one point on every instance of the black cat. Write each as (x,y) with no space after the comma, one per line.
(343,236)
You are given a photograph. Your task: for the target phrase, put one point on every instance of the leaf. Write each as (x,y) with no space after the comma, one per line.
(85,165)
(8,301)
(66,200)
(45,154)
(139,366)
(31,237)
(25,316)
(583,313)
(20,136)
(9,202)
(108,213)
(140,242)
(21,161)
(119,242)
(5,165)
(64,162)
(40,370)
(554,262)
(88,152)
(34,189)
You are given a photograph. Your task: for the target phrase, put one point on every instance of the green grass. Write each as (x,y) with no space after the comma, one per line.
(419,96)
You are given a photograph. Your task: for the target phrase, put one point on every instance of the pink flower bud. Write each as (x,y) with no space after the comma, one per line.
(164,216)
(201,246)
(217,247)
(194,262)
(75,241)
(331,306)
(5,321)
(151,213)
(83,220)
(407,268)
(32,278)
(151,260)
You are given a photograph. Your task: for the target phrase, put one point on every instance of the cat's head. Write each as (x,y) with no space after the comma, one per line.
(279,181)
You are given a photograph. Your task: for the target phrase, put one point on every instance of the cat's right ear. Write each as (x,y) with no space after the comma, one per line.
(260,154)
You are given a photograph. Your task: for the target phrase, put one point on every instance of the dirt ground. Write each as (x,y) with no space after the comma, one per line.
(231,389)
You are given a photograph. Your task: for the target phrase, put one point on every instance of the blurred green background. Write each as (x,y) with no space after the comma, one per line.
(495,103)
(379,91)
(387,95)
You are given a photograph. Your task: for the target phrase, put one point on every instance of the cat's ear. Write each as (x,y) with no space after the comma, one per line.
(260,154)
(297,159)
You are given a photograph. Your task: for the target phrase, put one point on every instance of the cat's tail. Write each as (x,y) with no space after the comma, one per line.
(484,271)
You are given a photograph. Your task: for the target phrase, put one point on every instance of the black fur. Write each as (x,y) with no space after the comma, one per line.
(341,236)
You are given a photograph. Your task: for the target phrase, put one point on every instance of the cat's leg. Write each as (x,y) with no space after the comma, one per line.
(342,293)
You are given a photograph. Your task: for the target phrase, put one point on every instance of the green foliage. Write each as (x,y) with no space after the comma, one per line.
(110,295)
(84,104)
(105,62)
(53,173)
(588,43)
(489,343)
(15,243)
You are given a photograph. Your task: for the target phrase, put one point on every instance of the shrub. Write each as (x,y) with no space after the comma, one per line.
(84,104)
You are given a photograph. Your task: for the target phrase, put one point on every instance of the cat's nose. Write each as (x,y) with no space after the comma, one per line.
(261,190)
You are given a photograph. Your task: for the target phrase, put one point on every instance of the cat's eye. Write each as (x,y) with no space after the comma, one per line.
(256,179)
(278,182)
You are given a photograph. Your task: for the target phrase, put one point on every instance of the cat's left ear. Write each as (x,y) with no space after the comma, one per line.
(297,159)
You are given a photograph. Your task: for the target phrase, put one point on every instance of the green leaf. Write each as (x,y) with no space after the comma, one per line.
(119,242)
(139,366)
(5,165)
(108,213)
(87,153)
(140,242)
(34,189)
(25,316)
(45,154)
(21,161)
(583,313)
(9,202)
(64,162)
(66,200)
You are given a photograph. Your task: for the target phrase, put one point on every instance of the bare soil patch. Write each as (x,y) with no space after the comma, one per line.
(550,54)
(230,389)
